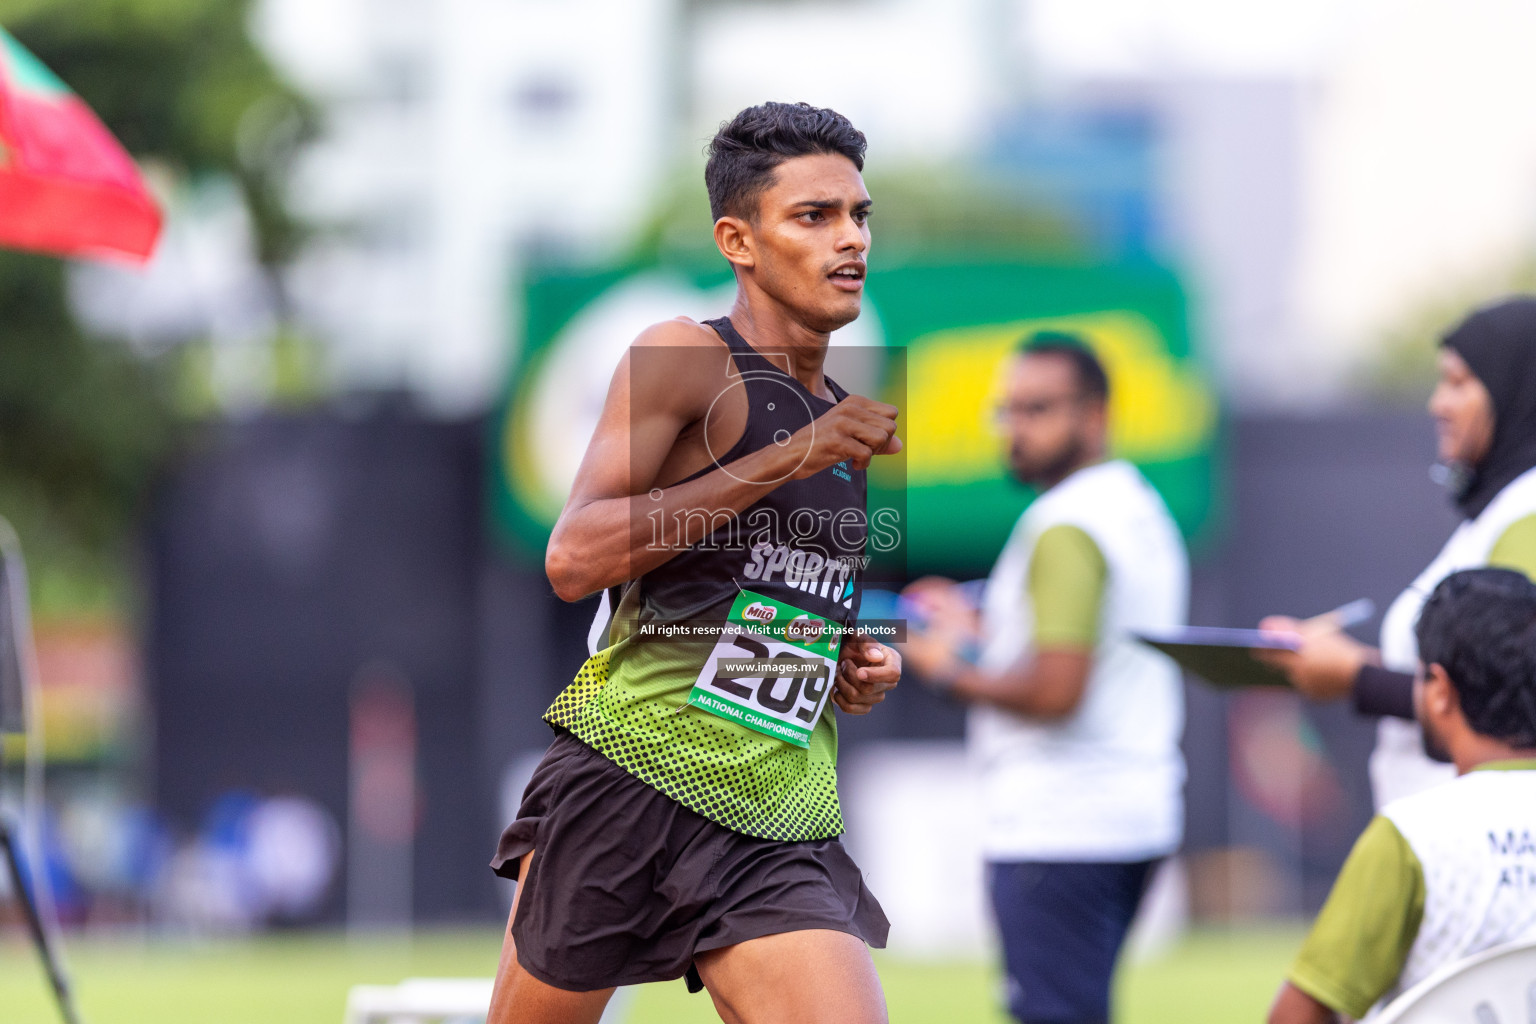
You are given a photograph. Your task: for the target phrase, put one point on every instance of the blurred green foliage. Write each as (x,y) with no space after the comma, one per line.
(82,426)
(918,211)
(1402,366)
(180,83)
(85,422)
(1401,369)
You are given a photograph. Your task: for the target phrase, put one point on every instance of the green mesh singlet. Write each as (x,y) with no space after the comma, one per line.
(628,702)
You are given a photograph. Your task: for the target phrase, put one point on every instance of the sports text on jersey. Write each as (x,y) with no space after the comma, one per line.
(810,571)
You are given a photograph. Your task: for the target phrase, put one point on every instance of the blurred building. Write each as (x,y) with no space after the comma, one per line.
(465,137)
(1324,174)
(459,135)
(1343,170)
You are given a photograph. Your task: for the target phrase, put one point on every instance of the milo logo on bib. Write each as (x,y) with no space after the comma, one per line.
(805,629)
(770,670)
(758,612)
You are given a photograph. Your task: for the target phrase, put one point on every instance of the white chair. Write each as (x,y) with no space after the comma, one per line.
(420,1001)
(1497,986)
(443,1001)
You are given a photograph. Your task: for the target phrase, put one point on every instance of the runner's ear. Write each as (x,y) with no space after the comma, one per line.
(733,237)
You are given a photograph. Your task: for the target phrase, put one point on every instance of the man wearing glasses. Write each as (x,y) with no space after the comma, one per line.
(1074,725)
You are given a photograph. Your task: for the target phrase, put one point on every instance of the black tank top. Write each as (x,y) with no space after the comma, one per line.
(802,543)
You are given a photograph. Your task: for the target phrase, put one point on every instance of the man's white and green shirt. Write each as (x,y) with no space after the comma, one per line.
(1435,878)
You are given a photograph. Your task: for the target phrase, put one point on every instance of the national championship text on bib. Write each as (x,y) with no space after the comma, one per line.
(771,668)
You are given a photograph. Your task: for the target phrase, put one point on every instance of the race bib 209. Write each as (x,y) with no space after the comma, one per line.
(771,669)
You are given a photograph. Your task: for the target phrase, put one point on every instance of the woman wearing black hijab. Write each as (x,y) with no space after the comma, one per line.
(1484,407)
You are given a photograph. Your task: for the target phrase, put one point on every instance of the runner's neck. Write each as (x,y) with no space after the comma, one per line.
(781,339)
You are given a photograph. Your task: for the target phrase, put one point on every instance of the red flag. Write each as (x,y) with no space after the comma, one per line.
(66,186)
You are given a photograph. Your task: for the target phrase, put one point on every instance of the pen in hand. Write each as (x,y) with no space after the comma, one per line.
(1351,614)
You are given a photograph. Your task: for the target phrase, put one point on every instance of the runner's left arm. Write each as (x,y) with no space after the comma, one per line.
(865,673)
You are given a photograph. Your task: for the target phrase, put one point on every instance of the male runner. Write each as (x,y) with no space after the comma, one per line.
(685,818)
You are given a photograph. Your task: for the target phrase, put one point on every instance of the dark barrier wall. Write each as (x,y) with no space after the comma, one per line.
(1320,511)
(286,557)
(289,553)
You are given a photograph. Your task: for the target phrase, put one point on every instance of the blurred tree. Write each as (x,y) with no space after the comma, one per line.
(1401,366)
(919,211)
(82,427)
(83,422)
(182,84)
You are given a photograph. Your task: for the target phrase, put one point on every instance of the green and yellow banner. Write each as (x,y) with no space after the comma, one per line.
(941,332)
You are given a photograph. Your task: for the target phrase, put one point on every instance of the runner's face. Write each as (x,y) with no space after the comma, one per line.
(1463,411)
(1045,419)
(812,237)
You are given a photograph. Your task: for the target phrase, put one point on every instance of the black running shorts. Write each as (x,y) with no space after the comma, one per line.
(628,886)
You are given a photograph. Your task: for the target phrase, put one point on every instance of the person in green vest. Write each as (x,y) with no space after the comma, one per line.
(1451,871)
(1073,725)
(1484,408)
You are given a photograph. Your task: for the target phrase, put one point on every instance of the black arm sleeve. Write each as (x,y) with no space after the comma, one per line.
(1380,691)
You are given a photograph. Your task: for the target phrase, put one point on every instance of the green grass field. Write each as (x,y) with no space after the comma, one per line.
(1212,977)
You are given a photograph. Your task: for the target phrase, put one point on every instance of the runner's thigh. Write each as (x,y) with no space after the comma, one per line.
(805,977)
(520,998)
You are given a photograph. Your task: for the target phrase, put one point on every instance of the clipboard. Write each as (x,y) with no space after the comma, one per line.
(1222,657)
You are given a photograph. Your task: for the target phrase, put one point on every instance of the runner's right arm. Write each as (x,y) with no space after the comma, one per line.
(617,525)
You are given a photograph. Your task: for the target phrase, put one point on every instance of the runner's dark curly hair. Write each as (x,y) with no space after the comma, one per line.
(750,145)
(1480,626)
